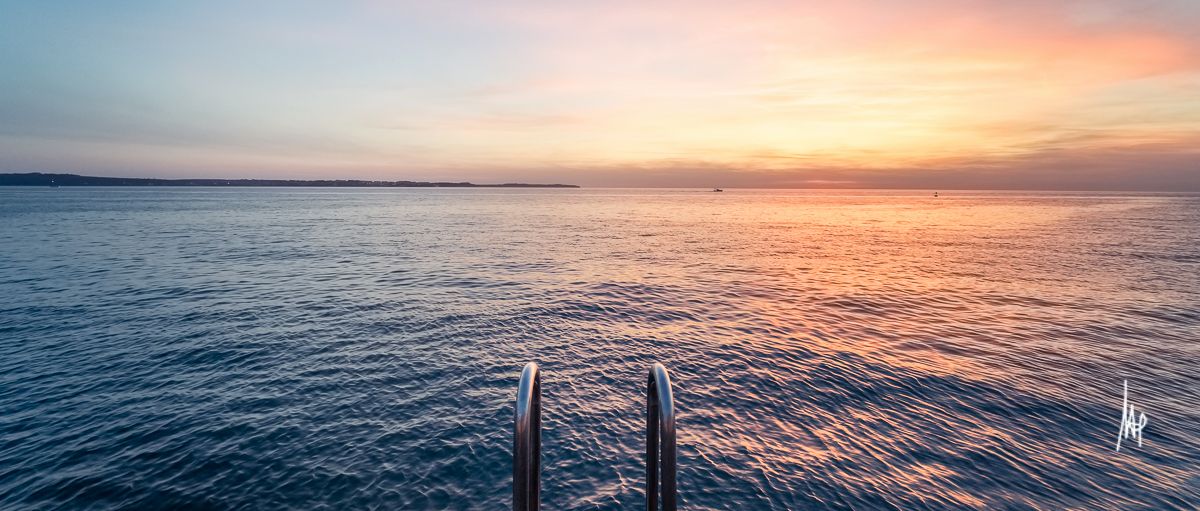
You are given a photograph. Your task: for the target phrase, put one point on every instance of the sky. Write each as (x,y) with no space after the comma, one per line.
(942,94)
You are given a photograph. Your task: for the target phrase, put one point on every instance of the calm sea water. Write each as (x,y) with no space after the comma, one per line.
(360,349)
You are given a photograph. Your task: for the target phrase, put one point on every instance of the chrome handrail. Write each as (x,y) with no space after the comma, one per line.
(660,427)
(527,441)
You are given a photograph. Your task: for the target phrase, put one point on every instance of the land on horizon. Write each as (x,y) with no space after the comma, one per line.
(41,179)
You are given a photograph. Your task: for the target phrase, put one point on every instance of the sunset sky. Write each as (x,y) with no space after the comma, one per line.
(925,94)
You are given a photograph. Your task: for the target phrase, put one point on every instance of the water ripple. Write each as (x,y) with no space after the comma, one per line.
(308,349)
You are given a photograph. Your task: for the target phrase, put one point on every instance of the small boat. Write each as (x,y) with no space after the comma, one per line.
(718,190)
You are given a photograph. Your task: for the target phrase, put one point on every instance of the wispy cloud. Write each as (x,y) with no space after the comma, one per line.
(758,93)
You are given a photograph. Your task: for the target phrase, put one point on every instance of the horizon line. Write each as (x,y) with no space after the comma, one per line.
(521,184)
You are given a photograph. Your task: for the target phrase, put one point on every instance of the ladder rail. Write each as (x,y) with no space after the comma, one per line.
(527,441)
(660,441)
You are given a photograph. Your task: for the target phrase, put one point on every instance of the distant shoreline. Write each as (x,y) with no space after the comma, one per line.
(50,180)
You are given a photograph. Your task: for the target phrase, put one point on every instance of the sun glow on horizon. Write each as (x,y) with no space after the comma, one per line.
(760,92)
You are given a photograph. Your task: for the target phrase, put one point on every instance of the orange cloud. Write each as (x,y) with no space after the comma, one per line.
(767,92)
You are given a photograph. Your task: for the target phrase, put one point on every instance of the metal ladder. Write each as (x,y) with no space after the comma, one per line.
(660,441)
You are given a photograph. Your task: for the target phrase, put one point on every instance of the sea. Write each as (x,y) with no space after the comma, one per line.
(330,348)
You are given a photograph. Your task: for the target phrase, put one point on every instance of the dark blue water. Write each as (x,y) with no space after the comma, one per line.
(359,349)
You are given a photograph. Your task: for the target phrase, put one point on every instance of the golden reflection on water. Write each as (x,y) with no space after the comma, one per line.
(891,294)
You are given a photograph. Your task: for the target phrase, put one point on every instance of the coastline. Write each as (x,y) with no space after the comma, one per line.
(40,179)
